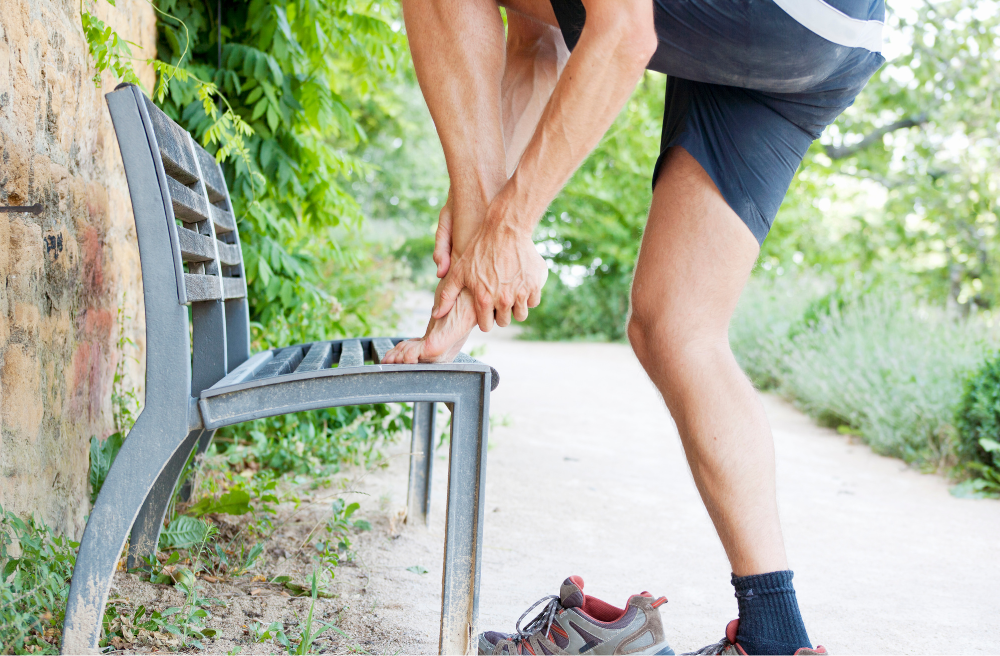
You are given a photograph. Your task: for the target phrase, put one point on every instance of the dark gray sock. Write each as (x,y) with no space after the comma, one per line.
(770,622)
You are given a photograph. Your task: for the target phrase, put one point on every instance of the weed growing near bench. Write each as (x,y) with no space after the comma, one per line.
(35,570)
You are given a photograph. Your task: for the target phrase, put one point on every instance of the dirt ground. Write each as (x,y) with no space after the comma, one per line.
(586,476)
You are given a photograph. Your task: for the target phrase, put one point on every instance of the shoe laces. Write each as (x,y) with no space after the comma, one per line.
(543,621)
(716,648)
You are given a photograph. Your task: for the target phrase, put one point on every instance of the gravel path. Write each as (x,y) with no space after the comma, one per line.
(586,476)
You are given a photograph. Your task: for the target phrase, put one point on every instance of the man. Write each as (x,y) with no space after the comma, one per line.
(751,84)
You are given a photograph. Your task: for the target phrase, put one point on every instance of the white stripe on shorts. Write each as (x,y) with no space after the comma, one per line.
(834,25)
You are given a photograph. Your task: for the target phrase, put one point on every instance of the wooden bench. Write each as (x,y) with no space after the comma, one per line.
(201,376)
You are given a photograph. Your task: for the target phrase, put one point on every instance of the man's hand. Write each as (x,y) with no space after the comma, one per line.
(442,239)
(504,272)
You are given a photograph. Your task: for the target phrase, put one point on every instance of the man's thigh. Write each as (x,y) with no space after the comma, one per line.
(696,254)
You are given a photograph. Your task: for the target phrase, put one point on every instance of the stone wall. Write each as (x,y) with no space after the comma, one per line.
(67,271)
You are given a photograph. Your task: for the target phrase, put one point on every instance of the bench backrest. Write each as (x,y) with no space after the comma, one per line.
(201,244)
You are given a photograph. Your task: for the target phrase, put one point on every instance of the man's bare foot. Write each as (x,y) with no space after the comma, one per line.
(444,337)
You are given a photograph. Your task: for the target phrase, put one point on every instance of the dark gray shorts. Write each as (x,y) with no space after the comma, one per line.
(749,88)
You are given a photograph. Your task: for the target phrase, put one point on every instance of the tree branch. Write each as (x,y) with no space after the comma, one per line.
(840,152)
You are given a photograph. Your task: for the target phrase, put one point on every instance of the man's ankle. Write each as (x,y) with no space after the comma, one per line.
(770,622)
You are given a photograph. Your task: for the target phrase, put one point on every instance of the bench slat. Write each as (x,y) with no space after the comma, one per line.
(223,220)
(201,287)
(178,162)
(284,362)
(351,354)
(320,356)
(214,182)
(189,207)
(229,253)
(195,247)
(381,346)
(234,288)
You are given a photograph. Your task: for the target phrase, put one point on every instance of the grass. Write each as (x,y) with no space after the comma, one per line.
(873,362)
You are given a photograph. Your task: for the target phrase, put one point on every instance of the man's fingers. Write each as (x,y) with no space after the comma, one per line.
(521,307)
(502,317)
(535,298)
(449,290)
(503,307)
(442,241)
(484,311)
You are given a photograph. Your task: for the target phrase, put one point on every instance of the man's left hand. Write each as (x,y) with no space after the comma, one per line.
(504,272)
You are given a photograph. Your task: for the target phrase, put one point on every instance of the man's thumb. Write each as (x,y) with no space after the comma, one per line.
(442,257)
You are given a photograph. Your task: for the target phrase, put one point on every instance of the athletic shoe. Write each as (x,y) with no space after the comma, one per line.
(574,623)
(728,645)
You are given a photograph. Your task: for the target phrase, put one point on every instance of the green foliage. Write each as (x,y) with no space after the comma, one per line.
(318,442)
(978,423)
(877,363)
(108,50)
(305,77)
(184,532)
(233,502)
(35,570)
(183,625)
(102,455)
(307,635)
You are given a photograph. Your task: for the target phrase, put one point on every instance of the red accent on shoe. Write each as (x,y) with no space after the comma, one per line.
(601,611)
(576,579)
(645,593)
(820,649)
(559,630)
(659,602)
(528,647)
(731,630)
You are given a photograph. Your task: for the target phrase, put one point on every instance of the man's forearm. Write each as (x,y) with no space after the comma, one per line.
(598,79)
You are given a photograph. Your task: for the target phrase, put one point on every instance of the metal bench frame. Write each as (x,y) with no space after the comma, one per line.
(183,217)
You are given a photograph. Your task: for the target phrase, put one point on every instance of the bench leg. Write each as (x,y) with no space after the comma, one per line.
(464,531)
(150,445)
(146,530)
(418,495)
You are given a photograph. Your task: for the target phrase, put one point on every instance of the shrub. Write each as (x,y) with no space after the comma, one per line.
(978,422)
(872,362)
(593,310)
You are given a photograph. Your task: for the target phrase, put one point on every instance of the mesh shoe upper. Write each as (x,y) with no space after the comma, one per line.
(575,623)
(728,645)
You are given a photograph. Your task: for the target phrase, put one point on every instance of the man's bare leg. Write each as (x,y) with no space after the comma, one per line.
(509,107)
(695,259)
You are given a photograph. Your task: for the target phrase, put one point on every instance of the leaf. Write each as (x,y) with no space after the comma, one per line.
(417,569)
(102,456)
(183,532)
(991,446)
(305,591)
(234,502)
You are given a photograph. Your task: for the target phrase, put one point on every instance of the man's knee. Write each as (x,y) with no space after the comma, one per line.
(672,341)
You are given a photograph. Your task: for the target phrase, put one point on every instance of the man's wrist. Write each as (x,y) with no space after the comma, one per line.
(507,214)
